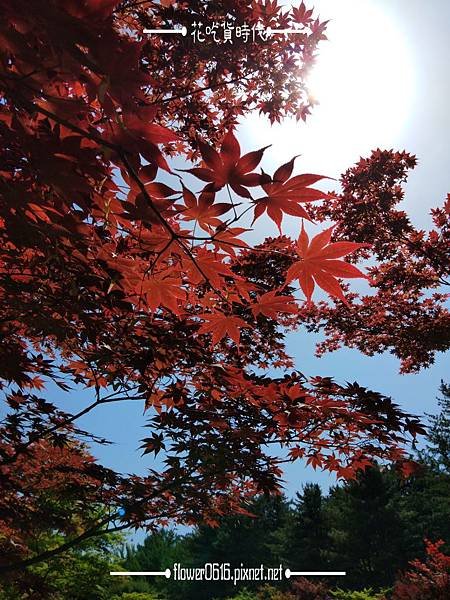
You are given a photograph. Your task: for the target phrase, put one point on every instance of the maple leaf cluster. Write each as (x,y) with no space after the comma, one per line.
(200,93)
(119,276)
(406,311)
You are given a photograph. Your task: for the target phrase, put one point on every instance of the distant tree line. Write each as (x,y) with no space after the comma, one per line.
(371,527)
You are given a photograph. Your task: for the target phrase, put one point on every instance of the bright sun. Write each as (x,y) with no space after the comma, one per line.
(363,81)
(364,72)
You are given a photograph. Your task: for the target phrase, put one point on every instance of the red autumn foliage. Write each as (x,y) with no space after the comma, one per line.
(406,311)
(319,264)
(429,580)
(229,167)
(284,195)
(106,283)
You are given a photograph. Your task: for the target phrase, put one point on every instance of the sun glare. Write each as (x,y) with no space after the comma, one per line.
(364,73)
(363,81)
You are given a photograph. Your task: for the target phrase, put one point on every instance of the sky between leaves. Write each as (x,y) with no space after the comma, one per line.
(389,89)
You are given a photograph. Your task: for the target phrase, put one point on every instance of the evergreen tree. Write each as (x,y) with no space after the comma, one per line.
(307,539)
(438,450)
(250,540)
(425,499)
(159,551)
(367,530)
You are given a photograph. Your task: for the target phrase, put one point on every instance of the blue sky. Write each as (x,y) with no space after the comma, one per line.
(384,79)
(388,63)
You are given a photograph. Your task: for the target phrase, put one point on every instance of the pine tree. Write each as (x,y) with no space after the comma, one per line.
(438,451)
(425,498)
(308,541)
(368,532)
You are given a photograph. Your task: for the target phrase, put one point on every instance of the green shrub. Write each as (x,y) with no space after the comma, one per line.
(265,593)
(136,596)
(244,595)
(367,594)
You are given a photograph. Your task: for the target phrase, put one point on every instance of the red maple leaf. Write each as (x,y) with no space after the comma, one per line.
(301,14)
(315,460)
(408,467)
(220,325)
(319,264)
(284,195)
(228,239)
(162,292)
(271,305)
(209,265)
(151,132)
(203,210)
(229,167)
(94,9)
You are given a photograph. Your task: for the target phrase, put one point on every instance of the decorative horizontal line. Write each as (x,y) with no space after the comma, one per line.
(270,30)
(165,573)
(181,31)
(290,573)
